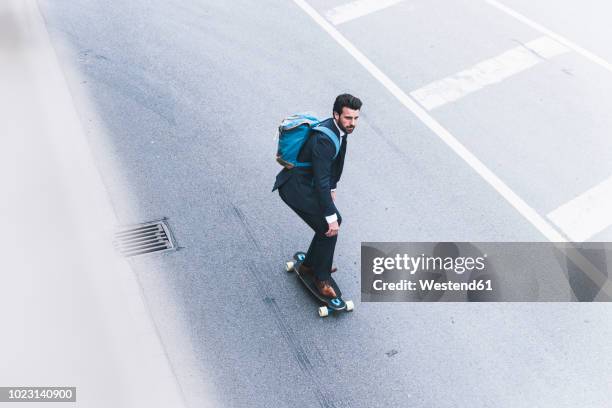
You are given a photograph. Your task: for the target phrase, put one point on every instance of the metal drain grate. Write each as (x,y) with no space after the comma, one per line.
(144,238)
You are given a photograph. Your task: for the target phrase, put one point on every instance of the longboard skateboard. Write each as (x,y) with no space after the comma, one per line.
(331,304)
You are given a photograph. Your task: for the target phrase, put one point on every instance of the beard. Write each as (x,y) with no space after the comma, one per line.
(346,130)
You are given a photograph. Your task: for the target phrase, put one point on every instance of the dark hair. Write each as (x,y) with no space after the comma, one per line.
(346,101)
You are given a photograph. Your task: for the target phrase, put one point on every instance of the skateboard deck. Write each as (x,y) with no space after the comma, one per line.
(331,304)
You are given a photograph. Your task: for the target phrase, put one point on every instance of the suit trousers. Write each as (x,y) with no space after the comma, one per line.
(320,253)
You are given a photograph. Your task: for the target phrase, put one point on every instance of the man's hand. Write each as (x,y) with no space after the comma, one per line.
(333,229)
(333,194)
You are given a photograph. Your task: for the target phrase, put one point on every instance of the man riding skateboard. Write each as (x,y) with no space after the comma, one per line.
(310,191)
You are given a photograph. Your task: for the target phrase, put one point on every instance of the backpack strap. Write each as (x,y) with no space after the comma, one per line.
(303,164)
(331,135)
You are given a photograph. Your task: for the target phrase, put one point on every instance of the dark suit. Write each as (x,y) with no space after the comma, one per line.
(307,191)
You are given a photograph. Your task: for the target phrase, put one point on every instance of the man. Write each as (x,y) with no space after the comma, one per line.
(311,191)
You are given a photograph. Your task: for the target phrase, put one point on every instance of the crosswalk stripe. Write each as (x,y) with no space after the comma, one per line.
(356,9)
(488,72)
(587,214)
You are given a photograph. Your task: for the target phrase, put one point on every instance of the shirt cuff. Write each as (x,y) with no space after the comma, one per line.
(331,218)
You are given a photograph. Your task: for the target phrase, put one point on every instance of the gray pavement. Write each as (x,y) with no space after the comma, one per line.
(181,100)
(72,311)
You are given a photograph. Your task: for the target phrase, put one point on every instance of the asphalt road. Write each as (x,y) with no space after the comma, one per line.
(181,100)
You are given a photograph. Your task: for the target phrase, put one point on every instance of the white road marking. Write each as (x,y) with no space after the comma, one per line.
(488,72)
(356,9)
(587,214)
(521,206)
(539,222)
(538,27)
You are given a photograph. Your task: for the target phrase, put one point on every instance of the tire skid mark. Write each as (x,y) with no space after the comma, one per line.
(246,227)
(294,345)
(298,351)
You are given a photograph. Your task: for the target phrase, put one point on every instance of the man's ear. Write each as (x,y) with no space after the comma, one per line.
(336,116)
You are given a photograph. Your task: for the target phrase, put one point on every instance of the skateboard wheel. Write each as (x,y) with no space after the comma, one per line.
(323,311)
(349,305)
(289,266)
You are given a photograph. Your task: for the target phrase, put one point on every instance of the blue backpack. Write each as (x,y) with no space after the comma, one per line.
(293,132)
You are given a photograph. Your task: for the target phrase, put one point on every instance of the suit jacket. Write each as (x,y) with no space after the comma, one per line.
(309,189)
